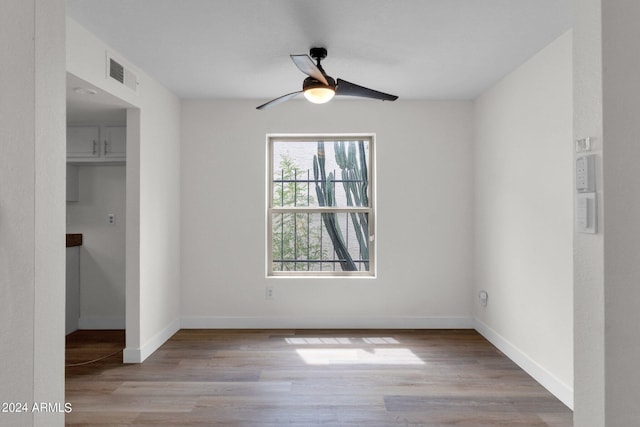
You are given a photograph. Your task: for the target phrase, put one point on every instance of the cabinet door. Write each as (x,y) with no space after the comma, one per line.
(115,142)
(83,141)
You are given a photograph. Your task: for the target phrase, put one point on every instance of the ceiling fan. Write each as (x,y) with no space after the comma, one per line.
(320,87)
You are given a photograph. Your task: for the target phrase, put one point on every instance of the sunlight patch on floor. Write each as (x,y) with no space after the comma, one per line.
(380,340)
(340,340)
(358,356)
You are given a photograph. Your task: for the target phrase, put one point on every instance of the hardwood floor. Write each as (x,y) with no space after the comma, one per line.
(305,378)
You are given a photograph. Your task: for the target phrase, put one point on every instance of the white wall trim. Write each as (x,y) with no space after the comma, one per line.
(549,381)
(290,322)
(138,355)
(101,322)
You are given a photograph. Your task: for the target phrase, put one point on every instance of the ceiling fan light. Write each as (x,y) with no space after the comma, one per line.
(319,95)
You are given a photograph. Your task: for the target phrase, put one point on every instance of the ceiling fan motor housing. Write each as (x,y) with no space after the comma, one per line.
(310,83)
(318,53)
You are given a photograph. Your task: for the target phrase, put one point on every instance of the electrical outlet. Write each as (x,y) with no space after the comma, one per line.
(268,292)
(111,219)
(483,296)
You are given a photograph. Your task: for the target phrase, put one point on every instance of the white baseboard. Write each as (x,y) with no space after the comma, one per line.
(101,322)
(549,381)
(138,355)
(275,322)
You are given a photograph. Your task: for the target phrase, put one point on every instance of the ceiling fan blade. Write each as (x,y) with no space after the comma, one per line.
(306,65)
(280,100)
(351,89)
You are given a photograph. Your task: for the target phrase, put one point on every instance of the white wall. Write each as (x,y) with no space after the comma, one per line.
(32,171)
(102,191)
(621,195)
(607,265)
(153,194)
(523,215)
(424,217)
(589,323)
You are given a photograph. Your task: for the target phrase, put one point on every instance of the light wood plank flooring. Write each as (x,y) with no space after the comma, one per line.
(305,378)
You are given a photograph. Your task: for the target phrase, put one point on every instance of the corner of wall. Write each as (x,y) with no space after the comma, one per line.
(552,383)
(139,354)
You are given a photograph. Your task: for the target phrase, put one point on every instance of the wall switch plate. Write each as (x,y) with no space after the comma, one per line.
(585,173)
(111,219)
(586,217)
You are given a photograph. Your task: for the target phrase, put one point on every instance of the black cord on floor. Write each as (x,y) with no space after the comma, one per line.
(94,360)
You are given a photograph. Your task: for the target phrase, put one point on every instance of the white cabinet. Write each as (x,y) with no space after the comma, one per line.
(96,143)
(83,141)
(114,142)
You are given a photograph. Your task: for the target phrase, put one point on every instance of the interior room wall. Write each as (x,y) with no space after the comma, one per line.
(153,194)
(424,217)
(606,90)
(621,127)
(32,173)
(102,191)
(523,216)
(588,259)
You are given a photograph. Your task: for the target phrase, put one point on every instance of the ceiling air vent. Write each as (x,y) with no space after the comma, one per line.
(118,72)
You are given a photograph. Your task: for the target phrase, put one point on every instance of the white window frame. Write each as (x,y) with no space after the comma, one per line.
(370,210)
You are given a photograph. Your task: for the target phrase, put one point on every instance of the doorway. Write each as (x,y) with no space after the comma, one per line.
(95,208)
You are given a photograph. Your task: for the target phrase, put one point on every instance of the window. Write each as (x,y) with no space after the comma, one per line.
(320,208)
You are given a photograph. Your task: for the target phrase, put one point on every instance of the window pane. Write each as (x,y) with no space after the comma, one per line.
(320,242)
(324,173)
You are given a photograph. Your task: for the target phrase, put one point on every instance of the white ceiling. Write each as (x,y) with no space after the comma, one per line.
(417,49)
(97,107)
